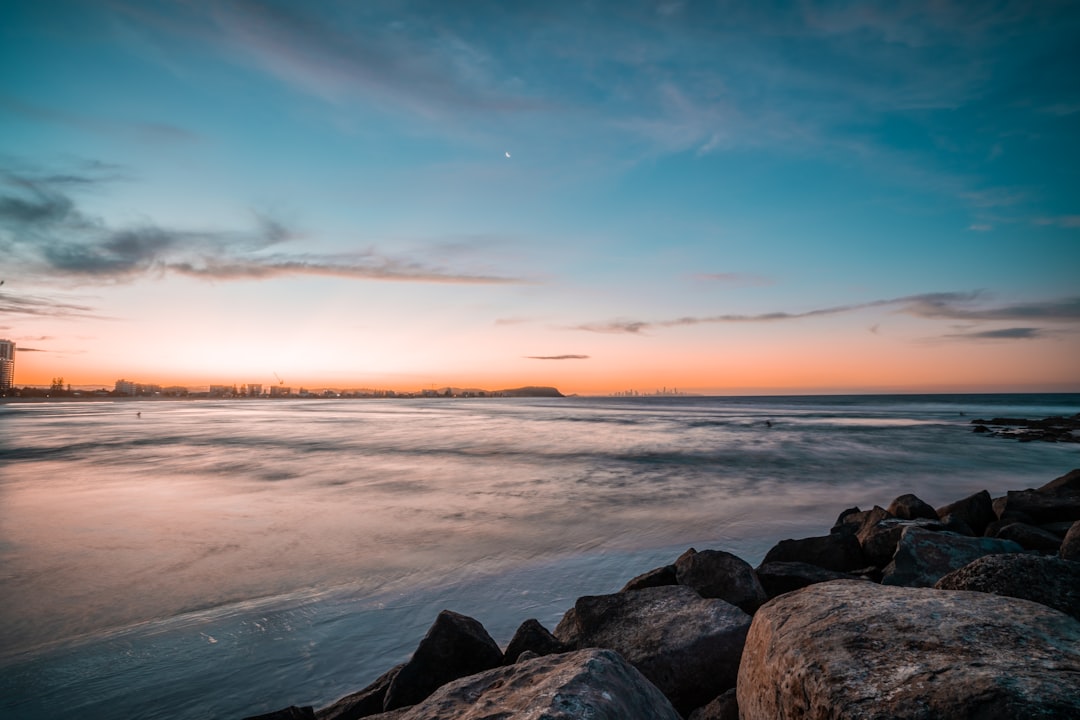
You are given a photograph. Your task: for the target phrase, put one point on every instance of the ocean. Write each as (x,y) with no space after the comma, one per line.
(217,559)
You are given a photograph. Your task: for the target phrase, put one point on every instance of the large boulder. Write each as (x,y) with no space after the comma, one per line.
(1070,546)
(362,703)
(719,574)
(1026,536)
(923,556)
(838,551)
(687,645)
(976,511)
(849,649)
(596,684)
(1048,581)
(533,637)
(783,577)
(909,507)
(657,577)
(1039,507)
(725,707)
(455,646)
(879,539)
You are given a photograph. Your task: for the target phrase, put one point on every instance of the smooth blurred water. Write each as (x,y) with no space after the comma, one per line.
(221,558)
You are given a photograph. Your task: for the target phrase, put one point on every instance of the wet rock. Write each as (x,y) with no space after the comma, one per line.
(923,557)
(596,684)
(1048,581)
(879,540)
(1028,537)
(1039,507)
(1070,546)
(836,551)
(657,577)
(954,524)
(290,713)
(455,646)
(783,577)
(687,645)
(848,521)
(719,574)
(725,707)
(363,703)
(909,507)
(850,649)
(976,511)
(534,637)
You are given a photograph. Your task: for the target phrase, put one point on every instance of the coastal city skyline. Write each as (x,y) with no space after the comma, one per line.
(811,198)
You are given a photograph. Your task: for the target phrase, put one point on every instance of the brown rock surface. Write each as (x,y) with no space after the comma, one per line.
(849,649)
(1048,581)
(719,574)
(976,511)
(923,557)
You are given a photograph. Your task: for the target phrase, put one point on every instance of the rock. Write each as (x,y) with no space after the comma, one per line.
(719,574)
(534,637)
(848,649)
(290,713)
(597,684)
(783,577)
(363,703)
(1040,507)
(725,707)
(1028,537)
(455,646)
(976,511)
(923,557)
(527,655)
(687,645)
(955,524)
(1048,581)
(1070,546)
(654,578)
(835,551)
(1068,485)
(848,521)
(879,540)
(909,507)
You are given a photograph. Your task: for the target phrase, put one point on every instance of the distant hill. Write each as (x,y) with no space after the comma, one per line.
(532,391)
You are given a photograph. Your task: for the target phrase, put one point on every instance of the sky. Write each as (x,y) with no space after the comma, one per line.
(719,197)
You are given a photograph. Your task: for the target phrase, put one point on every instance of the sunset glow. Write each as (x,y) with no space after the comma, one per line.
(820,199)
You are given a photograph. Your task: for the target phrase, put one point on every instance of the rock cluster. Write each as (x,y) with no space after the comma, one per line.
(1051,429)
(971,610)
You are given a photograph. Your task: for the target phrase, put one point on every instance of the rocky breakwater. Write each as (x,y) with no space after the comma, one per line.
(970,610)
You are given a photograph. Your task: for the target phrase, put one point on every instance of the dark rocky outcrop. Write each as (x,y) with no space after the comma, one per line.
(687,645)
(848,649)
(1048,581)
(1027,536)
(290,713)
(364,703)
(836,551)
(455,646)
(1070,546)
(595,684)
(976,511)
(909,507)
(879,539)
(783,577)
(719,574)
(657,577)
(923,557)
(725,707)
(532,637)
(1051,429)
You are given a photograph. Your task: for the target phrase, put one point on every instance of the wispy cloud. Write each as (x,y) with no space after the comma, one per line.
(50,236)
(556,357)
(1016,333)
(148,132)
(736,279)
(28,349)
(1062,221)
(38,306)
(946,305)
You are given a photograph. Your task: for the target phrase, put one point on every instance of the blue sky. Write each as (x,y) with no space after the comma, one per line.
(718,196)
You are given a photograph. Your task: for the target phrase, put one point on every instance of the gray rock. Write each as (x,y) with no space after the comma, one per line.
(725,707)
(534,637)
(1070,546)
(687,645)
(783,577)
(1039,507)
(976,511)
(455,646)
(596,684)
(848,649)
(657,577)
(835,551)
(923,557)
(879,539)
(363,703)
(1048,581)
(1027,536)
(719,574)
(909,507)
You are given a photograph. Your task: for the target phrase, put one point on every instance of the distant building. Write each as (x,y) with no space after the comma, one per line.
(7,365)
(280,391)
(126,387)
(254,389)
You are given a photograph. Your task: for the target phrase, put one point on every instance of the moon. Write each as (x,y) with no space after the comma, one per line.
(507,154)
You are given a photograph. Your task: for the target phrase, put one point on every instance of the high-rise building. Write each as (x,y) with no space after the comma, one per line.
(7,365)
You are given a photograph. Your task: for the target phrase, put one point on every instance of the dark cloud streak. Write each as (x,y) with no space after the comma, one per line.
(556,357)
